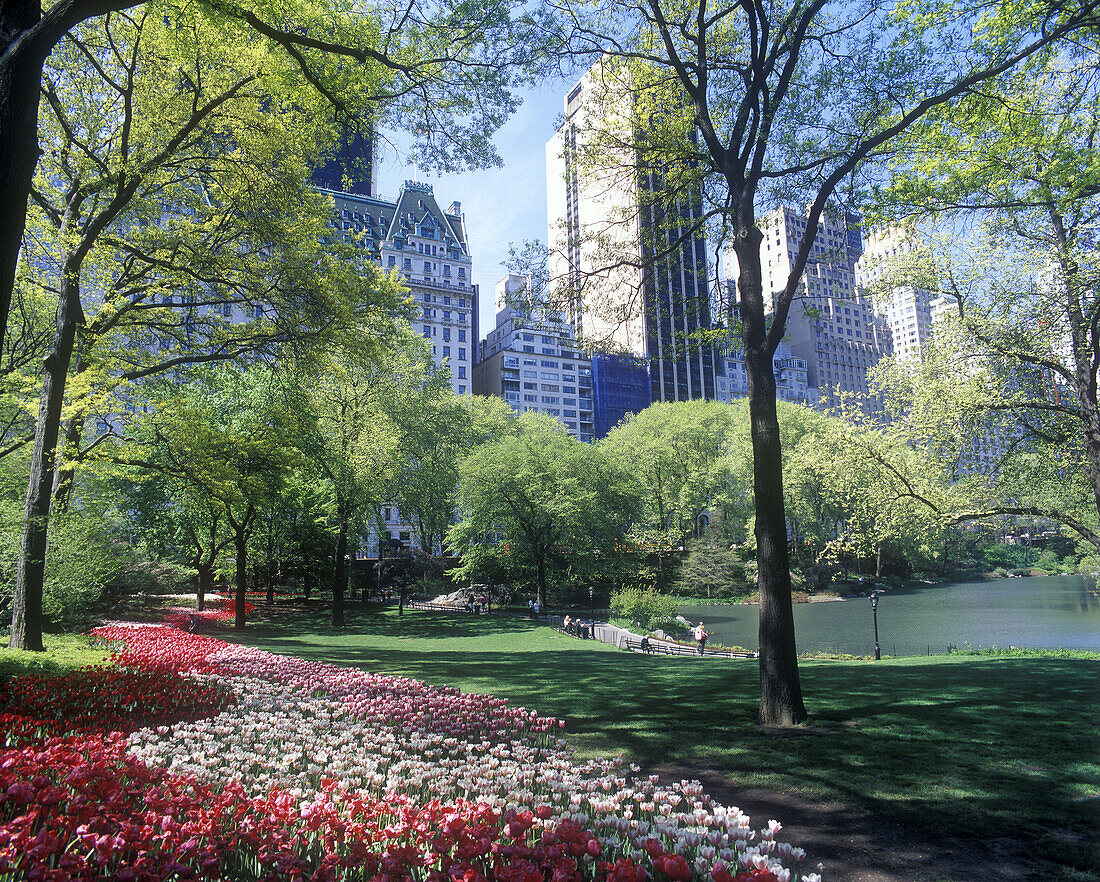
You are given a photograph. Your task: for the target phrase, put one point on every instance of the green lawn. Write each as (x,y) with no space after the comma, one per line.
(973,746)
(64,653)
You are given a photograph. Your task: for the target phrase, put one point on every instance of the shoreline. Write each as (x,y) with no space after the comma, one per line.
(872,585)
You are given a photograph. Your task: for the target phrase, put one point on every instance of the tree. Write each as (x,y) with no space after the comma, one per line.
(679,451)
(174,516)
(226,439)
(158,199)
(357,445)
(711,565)
(756,104)
(1008,240)
(538,500)
(436,433)
(862,494)
(448,73)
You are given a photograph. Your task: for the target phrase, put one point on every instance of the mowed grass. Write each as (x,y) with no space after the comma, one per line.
(960,745)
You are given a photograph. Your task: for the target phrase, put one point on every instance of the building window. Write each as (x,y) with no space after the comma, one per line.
(461,372)
(461,335)
(462,353)
(446,351)
(391,260)
(427,330)
(408,263)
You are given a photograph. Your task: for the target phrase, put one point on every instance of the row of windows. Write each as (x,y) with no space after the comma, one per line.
(434,298)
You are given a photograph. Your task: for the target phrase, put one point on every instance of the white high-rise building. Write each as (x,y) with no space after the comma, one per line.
(906,308)
(624,247)
(429,247)
(531,359)
(831,325)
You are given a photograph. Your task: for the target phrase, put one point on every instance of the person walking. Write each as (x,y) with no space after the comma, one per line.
(701,637)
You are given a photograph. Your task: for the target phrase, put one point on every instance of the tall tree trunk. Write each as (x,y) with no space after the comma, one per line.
(780,688)
(540,581)
(26,622)
(1083,335)
(240,540)
(205,572)
(20,78)
(340,573)
(64,473)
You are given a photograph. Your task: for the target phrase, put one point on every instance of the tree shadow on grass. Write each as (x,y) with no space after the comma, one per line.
(1003,749)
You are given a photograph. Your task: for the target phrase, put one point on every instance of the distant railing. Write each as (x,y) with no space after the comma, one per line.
(663,647)
(440,607)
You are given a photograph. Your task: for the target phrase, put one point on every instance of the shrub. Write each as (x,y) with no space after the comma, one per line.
(644,608)
(81,560)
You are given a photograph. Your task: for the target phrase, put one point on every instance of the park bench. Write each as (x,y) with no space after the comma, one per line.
(664,647)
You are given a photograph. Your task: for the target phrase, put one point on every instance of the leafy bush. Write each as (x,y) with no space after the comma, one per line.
(1049,563)
(81,559)
(644,608)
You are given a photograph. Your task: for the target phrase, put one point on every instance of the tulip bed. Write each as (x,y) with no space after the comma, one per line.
(191,758)
(219,611)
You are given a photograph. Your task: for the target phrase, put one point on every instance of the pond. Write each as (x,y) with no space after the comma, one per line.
(1049,612)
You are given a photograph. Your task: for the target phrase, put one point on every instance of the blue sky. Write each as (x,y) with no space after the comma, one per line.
(502,205)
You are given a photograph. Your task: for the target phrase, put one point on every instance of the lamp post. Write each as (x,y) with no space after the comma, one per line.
(874,612)
(591,611)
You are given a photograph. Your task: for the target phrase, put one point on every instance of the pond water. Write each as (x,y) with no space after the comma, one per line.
(1050,612)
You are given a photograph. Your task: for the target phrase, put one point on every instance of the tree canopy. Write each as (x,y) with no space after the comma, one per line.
(539,504)
(756,104)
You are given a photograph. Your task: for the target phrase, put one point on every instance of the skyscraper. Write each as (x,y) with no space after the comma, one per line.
(428,246)
(906,308)
(531,360)
(625,248)
(831,325)
(352,167)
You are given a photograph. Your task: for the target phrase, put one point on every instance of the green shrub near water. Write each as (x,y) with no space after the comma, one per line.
(645,609)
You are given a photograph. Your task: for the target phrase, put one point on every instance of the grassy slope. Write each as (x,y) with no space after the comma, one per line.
(977,746)
(64,653)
